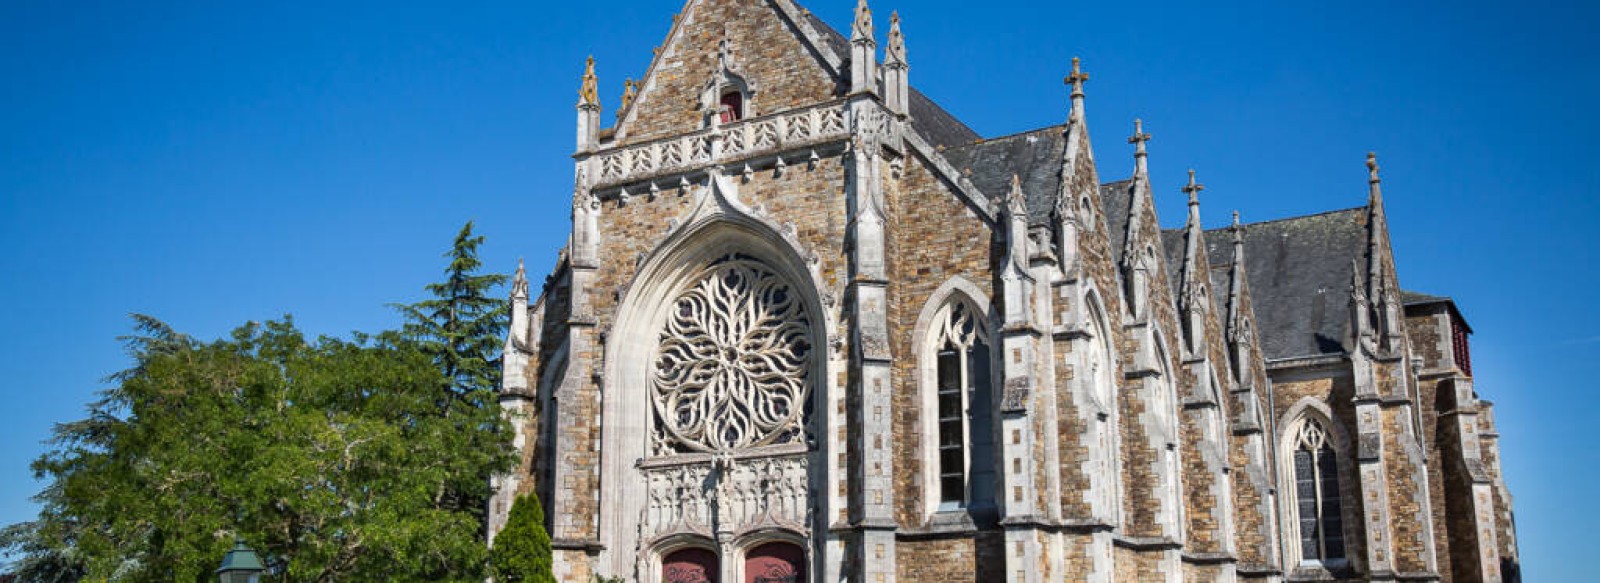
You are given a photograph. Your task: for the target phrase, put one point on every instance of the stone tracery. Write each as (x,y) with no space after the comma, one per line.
(732,368)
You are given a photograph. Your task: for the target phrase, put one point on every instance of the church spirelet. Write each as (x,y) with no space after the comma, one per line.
(809,326)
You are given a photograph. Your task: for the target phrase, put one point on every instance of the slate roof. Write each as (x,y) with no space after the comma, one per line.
(1117,200)
(930,121)
(1414,298)
(1299,268)
(1033,156)
(1299,271)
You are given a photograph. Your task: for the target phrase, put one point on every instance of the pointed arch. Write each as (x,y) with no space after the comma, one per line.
(1102,433)
(1315,468)
(955,380)
(719,226)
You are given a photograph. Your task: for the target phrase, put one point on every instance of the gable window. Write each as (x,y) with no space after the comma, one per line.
(732,109)
(964,406)
(1316,491)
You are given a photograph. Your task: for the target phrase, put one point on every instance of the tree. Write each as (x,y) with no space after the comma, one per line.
(331,457)
(521,552)
(463,327)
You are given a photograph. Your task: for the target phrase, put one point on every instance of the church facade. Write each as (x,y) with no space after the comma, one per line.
(809,326)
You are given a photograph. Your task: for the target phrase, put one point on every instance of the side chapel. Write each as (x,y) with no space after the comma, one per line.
(809,326)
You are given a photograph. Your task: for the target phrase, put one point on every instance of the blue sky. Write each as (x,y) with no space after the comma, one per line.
(213,163)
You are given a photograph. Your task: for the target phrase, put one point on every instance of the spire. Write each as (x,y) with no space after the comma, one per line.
(1193,189)
(896,84)
(1191,257)
(588,93)
(1375,188)
(863,52)
(1236,286)
(1360,325)
(861,30)
(519,283)
(1016,203)
(1195,272)
(1076,79)
(1377,227)
(1140,170)
(895,54)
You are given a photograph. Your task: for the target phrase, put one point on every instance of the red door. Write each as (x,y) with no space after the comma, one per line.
(775,563)
(689,566)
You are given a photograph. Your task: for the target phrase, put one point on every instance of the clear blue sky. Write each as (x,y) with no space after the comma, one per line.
(212,164)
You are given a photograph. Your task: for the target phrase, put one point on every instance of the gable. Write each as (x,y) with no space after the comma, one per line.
(785,70)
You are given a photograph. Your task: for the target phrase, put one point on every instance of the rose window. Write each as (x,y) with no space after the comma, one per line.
(732,368)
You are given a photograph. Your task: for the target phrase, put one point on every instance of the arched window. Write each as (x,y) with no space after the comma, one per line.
(1316,490)
(732,103)
(964,408)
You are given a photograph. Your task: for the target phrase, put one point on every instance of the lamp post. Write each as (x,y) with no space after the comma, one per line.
(240,565)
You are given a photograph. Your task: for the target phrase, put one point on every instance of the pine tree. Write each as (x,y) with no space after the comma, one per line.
(521,552)
(463,327)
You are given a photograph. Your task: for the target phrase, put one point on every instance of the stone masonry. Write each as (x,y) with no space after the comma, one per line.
(997,365)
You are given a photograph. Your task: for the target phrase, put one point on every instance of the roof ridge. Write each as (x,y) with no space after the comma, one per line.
(1293,218)
(983,141)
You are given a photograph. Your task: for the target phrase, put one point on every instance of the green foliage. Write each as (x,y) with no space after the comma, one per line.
(337,460)
(463,327)
(521,551)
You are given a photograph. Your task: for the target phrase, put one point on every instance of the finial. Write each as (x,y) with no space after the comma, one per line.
(630,90)
(1139,138)
(1016,203)
(1238,230)
(896,52)
(862,30)
(1372,168)
(1077,78)
(589,93)
(1193,189)
(519,283)
(1355,280)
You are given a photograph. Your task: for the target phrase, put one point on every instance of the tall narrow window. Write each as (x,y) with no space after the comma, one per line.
(965,410)
(1316,484)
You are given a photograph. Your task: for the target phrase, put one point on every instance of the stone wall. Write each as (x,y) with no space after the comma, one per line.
(770,55)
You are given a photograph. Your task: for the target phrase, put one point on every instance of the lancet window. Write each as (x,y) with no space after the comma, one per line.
(1316,490)
(964,408)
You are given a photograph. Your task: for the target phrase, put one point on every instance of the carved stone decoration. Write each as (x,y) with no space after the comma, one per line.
(732,368)
(727,496)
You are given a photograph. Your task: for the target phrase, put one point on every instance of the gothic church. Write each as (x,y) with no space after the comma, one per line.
(811,327)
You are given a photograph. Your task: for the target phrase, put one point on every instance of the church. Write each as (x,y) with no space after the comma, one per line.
(810,327)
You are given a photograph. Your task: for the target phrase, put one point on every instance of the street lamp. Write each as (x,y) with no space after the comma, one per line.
(240,565)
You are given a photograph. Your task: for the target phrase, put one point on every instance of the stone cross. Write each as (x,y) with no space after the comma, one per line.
(1192,189)
(1077,78)
(1139,137)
